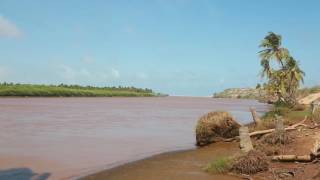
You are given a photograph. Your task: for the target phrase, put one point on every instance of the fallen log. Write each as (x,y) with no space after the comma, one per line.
(262,132)
(292,127)
(290,158)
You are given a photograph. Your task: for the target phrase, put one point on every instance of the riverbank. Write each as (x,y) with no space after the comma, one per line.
(62,90)
(186,165)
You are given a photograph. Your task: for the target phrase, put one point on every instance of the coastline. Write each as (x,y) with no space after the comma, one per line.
(179,164)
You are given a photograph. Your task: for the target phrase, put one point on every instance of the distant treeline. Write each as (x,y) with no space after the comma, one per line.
(64,90)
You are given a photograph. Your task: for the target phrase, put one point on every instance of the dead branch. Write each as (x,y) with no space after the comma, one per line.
(290,158)
(292,127)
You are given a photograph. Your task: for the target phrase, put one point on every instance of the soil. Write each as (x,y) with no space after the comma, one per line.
(302,143)
(184,165)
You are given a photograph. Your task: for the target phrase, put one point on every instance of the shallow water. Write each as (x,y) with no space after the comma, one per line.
(73,136)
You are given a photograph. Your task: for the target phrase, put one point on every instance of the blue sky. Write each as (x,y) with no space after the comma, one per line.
(180,47)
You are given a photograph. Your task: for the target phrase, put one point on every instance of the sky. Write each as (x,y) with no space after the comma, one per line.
(179,47)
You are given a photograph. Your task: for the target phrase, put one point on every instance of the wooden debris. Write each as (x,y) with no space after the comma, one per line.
(255,116)
(290,158)
(293,127)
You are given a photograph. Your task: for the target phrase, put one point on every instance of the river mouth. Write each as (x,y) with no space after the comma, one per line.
(69,136)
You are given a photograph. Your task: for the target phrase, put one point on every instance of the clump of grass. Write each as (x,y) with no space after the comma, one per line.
(278,138)
(251,163)
(214,126)
(219,165)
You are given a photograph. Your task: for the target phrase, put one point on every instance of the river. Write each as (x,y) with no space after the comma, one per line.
(67,137)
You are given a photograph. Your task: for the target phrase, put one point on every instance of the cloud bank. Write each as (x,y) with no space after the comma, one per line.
(8,29)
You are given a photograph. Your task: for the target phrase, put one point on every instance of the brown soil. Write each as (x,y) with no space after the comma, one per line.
(302,142)
(184,165)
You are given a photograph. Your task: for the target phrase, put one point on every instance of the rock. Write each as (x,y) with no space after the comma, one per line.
(216,126)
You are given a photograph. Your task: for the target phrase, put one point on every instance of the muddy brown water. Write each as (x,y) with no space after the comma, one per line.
(70,137)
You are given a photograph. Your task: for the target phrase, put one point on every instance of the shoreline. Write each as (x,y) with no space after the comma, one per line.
(120,164)
(182,160)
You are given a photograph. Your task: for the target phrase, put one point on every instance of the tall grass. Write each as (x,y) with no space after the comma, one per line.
(70,91)
(219,165)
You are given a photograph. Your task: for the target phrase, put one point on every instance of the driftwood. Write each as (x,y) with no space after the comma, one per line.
(289,158)
(292,127)
(267,131)
(255,116)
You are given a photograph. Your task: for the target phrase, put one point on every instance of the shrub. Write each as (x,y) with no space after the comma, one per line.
(214,126)
(220,165)
(251,163)
(277,138)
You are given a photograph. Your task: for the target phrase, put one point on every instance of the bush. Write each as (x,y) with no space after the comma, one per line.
(277,138)
(220,165)
(214,126)
(251,163)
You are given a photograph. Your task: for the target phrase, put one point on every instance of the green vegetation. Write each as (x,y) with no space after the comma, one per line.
(219,165)
(283,80)
(289,114)
(62,90)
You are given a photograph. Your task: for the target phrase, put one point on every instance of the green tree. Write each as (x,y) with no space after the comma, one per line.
(284,76)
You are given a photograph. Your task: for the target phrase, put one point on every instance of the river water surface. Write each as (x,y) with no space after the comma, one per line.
(67,137)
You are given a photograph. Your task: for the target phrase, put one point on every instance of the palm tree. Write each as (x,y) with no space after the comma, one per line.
(283,81)
(294,76)
(272,51)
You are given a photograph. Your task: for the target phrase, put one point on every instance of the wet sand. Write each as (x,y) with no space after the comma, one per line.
(66,137)
(181,165)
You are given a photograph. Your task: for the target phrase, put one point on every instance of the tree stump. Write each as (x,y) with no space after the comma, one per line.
(315,105)
(255,116)
(245,141)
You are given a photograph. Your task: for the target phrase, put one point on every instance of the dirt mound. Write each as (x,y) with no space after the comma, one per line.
(216,126)
(251,163)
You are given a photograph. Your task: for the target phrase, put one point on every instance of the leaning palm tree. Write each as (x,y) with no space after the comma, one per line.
(272,51)
(284,79)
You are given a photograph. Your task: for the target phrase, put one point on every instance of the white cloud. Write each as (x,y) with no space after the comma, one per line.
(115,73)
(8,29)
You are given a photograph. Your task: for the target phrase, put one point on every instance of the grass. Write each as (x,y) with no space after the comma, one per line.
(219,165)
(32,90)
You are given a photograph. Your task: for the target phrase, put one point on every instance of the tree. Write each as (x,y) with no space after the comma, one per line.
(283,76)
